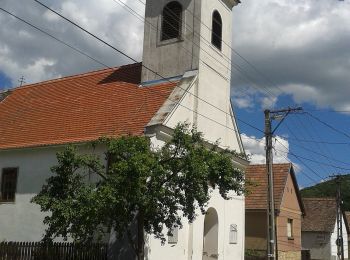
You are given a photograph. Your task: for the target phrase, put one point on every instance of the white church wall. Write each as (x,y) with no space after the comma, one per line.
(190,237)
(174,56)
(22,220)
(219,60)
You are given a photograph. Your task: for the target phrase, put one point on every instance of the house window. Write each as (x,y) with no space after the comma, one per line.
(321,238)
(290,228)
(216,35)
(8,184)
(172,21)
(174,236)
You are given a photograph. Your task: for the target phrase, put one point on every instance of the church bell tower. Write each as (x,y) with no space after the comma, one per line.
(194,36)
(180,35)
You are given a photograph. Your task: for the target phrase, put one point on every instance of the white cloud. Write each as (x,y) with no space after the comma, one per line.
(301,46)
(243,102)
(25,51)
(256,148)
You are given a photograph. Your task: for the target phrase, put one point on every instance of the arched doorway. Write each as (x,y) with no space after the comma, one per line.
(211,235)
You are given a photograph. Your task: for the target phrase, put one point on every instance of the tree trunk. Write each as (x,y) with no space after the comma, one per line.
(140,236)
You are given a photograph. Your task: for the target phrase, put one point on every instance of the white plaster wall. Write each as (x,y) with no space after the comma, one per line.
(229,212)
(334,248)
(22,220)
(318,250)
(215,79)
(190,243)
(209,54)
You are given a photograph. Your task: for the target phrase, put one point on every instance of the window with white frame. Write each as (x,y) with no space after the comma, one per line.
(290,228)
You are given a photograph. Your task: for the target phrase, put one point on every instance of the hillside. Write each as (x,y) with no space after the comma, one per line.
(328,189)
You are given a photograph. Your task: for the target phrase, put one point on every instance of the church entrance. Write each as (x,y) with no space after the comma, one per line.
(211,235)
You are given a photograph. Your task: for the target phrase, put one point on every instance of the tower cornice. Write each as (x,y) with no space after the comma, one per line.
(232,3)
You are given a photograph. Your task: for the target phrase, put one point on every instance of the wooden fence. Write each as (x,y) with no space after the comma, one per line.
(54,251)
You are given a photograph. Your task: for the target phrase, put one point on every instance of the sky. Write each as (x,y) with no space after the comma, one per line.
(286,53)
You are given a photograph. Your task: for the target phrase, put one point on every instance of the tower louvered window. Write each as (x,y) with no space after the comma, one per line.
(216,37)
(172,21)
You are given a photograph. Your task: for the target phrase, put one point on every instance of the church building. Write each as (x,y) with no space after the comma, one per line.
(185,76)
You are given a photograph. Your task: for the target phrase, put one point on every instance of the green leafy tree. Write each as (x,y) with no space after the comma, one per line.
(153,187)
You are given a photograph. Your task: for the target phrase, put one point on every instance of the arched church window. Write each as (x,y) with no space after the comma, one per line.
(172,21)
(216,35)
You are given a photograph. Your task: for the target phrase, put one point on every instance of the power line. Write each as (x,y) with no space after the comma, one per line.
(121,52)
(135,60)
(313,141)
(41,30)
(301,145)
(229,46)
(235,66)
(328,125)
(54,37)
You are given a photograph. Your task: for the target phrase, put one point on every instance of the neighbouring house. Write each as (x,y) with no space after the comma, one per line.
(319,229)
(289,211)
(185,77)
(347,215)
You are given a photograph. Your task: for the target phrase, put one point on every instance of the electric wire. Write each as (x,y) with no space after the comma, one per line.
(150,89)
(135,60)
(229,46)
(55,38)
(235,66)
(328,125)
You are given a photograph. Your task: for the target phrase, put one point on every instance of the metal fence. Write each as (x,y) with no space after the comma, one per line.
(53,251)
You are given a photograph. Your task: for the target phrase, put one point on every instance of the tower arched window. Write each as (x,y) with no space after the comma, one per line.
(216,35)
(171,21)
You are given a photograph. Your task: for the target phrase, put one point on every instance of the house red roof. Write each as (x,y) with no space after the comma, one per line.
(257,198)
(321,214)
(79,108)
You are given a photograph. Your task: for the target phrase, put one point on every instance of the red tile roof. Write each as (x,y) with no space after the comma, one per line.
(320,214)
(257,198)
(80,108)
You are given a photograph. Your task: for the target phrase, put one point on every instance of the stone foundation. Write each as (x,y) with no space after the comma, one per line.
(289,255)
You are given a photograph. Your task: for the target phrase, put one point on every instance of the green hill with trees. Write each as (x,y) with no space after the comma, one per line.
(328,189)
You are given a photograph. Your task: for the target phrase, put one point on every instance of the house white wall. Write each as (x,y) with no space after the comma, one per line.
(22,220)
(319,250)
(324,250)
(334,248)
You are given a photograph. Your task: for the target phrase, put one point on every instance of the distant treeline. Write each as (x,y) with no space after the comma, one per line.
(328,189)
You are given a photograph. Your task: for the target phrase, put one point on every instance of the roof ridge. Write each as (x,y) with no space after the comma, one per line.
(81,75)
(315,198)
(263,164)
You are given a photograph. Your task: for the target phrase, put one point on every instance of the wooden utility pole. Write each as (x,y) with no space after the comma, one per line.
(21,81)
(340,240)
(271,221)
(271,231)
